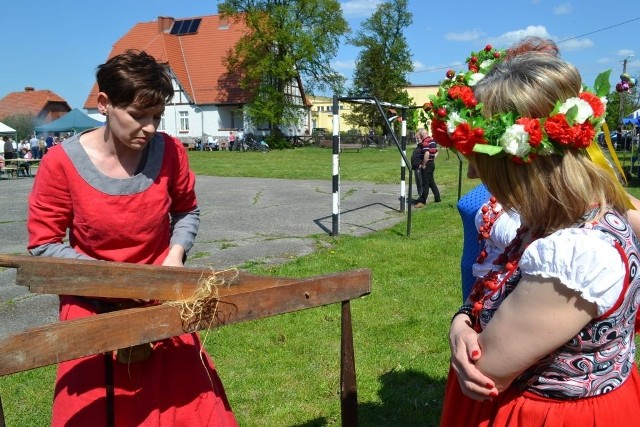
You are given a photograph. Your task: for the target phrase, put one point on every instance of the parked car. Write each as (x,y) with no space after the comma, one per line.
(624,143)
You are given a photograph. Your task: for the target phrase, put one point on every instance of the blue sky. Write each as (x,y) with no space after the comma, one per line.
(57,45)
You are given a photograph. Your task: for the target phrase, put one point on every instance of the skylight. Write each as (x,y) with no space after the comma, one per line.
(185,26)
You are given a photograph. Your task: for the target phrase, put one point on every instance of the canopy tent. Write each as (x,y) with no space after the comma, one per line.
(74,121)
(632,119)
(6,130)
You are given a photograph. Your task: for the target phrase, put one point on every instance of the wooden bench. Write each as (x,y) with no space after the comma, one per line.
(190,146)
(9,171)
(328,143)
(248,297)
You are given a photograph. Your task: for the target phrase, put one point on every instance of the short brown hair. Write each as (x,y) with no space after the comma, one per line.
(134,77)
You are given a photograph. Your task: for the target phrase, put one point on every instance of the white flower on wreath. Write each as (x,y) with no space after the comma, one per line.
(487,64)
(454,120)
(515,141)
(475,78)
(584,109)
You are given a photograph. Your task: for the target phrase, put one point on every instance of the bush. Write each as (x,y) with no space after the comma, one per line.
(277,142)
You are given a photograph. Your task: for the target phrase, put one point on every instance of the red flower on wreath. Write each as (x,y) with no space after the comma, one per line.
(596,104)
(532,127)
(440,133)
(466,138)
(584,135)
(559,130)
(463,93)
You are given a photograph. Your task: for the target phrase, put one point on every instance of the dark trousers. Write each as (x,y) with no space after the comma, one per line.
(428,182)
(417,173)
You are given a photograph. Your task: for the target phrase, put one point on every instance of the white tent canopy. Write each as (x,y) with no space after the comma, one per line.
(4,129)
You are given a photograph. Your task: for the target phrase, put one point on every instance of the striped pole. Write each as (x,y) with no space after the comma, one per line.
(335,216)
(403,167)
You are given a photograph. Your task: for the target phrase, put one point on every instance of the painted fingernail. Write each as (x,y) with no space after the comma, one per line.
(489,386)
(475,353)
(493,394)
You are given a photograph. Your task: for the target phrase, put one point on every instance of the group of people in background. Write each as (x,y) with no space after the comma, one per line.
(32,148)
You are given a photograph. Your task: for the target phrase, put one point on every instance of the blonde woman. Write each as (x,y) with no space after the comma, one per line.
(546,337)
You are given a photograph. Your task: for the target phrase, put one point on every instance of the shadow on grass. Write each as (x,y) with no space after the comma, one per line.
(409,399)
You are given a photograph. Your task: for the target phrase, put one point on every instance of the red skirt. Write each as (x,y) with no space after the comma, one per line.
(620,407)
(177,385)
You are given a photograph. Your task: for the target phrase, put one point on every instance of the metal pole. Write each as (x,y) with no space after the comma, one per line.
(335,217)
(403,166)
(621,106)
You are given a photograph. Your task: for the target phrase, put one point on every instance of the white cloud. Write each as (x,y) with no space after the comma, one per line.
(625,52)
(359,8)
(575,44)
(465,36)
(419,66)
(511,37)
(562,9)
(349,64)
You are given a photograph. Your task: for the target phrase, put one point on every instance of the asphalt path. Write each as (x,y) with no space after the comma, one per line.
(242,220)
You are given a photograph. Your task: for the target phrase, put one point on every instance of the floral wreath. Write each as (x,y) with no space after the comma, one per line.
(457,120)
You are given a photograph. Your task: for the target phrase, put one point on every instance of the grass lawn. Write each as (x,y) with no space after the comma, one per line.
(284,371)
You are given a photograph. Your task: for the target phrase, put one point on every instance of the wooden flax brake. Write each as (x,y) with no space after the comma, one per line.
(249,297)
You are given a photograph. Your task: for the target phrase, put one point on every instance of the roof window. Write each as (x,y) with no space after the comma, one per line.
(185,26)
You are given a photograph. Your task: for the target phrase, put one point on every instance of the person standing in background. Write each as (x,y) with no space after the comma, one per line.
(428,168)
(232,140)
(9,151)
(33,145)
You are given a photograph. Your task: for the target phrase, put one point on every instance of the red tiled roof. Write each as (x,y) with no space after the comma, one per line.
(195,59)
(35,102)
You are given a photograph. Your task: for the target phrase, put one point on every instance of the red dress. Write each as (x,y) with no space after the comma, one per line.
(124,220)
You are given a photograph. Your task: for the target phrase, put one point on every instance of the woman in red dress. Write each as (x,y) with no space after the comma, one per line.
(124,192)
(546,337)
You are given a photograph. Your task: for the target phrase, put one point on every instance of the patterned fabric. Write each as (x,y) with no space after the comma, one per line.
(600,357)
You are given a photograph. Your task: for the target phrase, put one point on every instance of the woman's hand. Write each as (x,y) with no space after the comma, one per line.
(174,257)
(465,352)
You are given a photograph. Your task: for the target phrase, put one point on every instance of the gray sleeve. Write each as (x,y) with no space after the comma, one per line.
(58,250)
(184,228)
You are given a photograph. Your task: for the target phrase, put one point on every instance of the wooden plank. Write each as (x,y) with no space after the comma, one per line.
(61,276)
(57,342)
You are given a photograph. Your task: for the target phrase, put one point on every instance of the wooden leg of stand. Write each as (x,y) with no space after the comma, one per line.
(348,388)
(2,424)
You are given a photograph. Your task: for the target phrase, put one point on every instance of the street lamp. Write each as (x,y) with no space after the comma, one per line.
(621,101)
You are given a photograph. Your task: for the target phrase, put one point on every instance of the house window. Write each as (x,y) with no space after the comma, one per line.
(162,125)
(184,121)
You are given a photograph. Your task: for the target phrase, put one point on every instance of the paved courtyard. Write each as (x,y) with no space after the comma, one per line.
(242,219)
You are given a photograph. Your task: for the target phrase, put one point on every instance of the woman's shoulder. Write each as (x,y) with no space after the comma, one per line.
(583,259)
(572,243)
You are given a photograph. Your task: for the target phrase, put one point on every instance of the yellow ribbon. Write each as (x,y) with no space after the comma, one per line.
(597,157)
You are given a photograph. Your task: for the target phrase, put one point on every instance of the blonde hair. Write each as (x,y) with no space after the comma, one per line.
(551,192)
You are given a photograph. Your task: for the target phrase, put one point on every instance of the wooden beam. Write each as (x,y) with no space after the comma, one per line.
(57,342)
(62,276)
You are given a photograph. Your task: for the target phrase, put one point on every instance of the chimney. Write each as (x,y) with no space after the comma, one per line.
(29,89)
(164,24)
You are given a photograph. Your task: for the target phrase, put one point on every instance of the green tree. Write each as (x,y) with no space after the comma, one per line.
(383,63)
(631,102)
(24,124)
(289,41)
